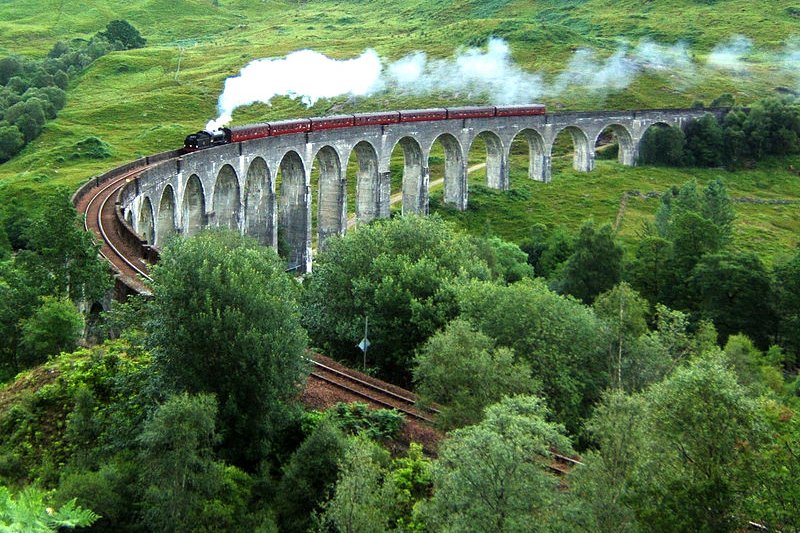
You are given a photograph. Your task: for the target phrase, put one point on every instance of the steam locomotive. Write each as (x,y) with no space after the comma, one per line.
(207,139)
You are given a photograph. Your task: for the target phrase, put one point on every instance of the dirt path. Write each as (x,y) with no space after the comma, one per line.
(397,197)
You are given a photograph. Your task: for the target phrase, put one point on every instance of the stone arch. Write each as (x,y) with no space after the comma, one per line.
(368,183)
(627,148)
(293,223)
(226,198)
(415,177)
(583,158)
(455,171)
(193,206)
(129,217)
(538,158)
(496,161)
(144,224)
(259,202)
(165,225)
(331,214)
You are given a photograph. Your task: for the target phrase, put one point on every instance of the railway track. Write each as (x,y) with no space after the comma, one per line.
(99,208)
(371,392)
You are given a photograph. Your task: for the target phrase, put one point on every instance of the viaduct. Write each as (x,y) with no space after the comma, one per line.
(262,187)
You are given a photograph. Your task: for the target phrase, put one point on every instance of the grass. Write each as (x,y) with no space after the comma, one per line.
(571,197)
(144,101)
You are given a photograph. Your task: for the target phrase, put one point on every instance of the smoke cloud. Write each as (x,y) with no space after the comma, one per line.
(489,73)
(730,55)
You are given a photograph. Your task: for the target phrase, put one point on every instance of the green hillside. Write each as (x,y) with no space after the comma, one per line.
(146,100)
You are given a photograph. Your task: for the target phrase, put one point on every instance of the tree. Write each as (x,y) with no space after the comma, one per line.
(357,505)
(602,489)
(696,461)
(704,143)
(61,257)
(309,477)
(734,291)
(650,271)
(9,67)
(183,485)
(461,369)
(123,35)
(505,259)
(29,513)
(787,293)
(224,320)
(56,326)
(624,312)
(663,146)
(11,141)
(596,264)
(489,478)
(401,273)
(561,339)
(718,208)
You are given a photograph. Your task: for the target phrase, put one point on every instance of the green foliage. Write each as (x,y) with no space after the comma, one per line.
(701,424)
(357,418)
(357,503)
(462,370)
(787,290)
(559,338)
(663,146)
(55,327)
(309,477)
(595,266)
(624,313)
(679,457)
(487,477)
(29,513)
(61,257)
(110,491)
(650,272)
(224,320)
(178,469)
(91,148)
(401,274)
(704,142)
(505,259)
(734,291)
(11,141)
(123,35)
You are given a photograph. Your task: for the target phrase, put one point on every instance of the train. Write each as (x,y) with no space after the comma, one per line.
(207,139)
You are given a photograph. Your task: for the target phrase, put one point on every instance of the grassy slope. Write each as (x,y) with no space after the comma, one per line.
(140,103)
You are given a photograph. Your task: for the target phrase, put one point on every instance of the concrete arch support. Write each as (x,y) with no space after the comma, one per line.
(583,160)
(194,207)
(332,199)
(165,225)
(455,172)
(294,224)
(145,225)
(226,199)
(496,161)
(369,186)
(259,203)
(415,178)
(628,149)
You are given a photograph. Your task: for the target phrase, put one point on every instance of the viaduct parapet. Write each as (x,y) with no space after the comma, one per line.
(262,187)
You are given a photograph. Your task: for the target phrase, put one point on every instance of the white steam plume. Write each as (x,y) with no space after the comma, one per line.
(791,60)
(490,73)
(472,72)
(730,55)
(305,74)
